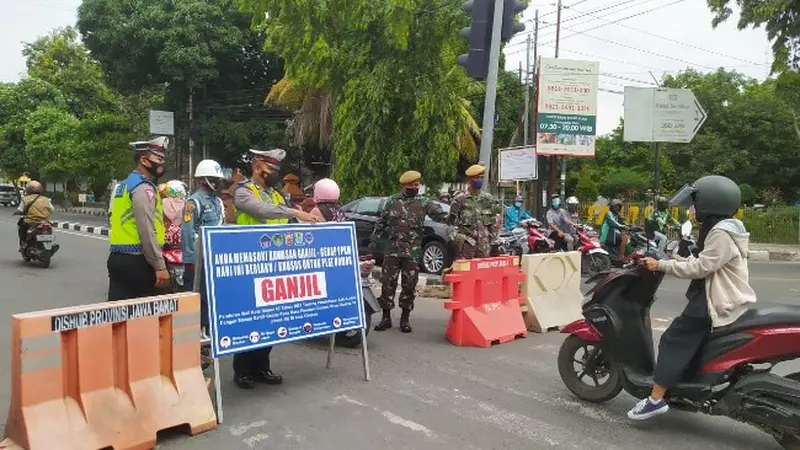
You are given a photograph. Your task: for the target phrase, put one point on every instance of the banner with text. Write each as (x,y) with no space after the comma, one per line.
(567,107)
(272,284)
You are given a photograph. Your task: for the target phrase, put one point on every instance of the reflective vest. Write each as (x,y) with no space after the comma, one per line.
(124,235)
(242,218)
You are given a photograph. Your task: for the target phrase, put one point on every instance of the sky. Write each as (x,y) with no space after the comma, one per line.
(629,38)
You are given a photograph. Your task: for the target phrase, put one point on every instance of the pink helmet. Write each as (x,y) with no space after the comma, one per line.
(326,190)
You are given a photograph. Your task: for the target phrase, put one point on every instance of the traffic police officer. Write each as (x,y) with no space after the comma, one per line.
(203,208)
(258,201)
(136,267)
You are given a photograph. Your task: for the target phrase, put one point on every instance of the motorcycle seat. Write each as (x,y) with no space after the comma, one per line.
(761,315)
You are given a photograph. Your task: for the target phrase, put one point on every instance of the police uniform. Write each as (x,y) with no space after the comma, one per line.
(137,232)
(255,204)
(203,208)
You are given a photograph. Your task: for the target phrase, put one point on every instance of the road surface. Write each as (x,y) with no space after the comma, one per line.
(425,393)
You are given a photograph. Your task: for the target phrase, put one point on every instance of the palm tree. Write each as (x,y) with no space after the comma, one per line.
(312,125)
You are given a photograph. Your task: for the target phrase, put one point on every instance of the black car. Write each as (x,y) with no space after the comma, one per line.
(436,250)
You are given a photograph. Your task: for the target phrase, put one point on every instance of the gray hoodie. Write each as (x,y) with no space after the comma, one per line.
(723,264)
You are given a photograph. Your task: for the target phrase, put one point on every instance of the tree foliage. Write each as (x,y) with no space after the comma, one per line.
(391,68)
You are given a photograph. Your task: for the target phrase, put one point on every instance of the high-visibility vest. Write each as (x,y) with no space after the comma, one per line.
(242,218)
(124,235)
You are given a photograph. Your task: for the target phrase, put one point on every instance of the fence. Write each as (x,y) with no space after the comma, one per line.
(777,225)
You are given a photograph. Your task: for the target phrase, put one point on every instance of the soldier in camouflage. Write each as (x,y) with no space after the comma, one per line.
(473,218)
(401,226)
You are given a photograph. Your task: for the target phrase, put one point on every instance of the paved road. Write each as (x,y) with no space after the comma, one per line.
(425,393)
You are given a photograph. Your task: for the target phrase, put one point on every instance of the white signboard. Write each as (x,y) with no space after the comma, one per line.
(567,107)
(661,115)
(518,163)
(162,123)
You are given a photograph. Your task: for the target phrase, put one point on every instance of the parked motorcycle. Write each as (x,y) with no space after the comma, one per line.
(530,236)
(352,338)
(40,244)
(613,349)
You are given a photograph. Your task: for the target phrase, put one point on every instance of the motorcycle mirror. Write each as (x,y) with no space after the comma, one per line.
(686,228)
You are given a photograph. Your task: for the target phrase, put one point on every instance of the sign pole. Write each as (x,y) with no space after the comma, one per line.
(365,354)
(487,132)
(331,350)
(196,288)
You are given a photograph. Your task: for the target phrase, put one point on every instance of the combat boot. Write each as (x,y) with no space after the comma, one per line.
(386,321)
(405,326)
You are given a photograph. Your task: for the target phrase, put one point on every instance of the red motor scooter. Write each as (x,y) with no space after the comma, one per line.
(612,349)
(594,258)
(538,241)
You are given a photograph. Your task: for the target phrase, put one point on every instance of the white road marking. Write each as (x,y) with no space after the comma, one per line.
(238,430)
(253,440)
(86,235)
(392,417)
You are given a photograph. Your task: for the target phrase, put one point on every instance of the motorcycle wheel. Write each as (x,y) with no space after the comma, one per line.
(352,339)
(598,368)
(595,263)
(45,260)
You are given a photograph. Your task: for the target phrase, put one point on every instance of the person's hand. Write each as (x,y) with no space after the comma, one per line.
(561,234)
(307,217)
(162,278)
(651,264)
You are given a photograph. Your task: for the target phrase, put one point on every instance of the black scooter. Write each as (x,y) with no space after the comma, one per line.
(39,244)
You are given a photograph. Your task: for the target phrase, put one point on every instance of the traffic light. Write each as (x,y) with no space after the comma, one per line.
(479,37)
(510,10)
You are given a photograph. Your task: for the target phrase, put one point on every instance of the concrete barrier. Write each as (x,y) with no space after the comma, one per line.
(551,290)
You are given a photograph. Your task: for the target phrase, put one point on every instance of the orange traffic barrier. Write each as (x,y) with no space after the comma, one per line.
(486,302)
(108,375)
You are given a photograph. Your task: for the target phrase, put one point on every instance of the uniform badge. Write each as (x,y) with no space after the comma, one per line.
(187,217)
(151,194)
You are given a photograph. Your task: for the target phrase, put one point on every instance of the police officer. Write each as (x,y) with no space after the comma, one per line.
(136,267)
(204,208)
(402,225)
(258,201)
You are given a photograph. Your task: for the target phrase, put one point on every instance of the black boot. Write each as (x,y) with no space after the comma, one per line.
(405,326)
(386,321)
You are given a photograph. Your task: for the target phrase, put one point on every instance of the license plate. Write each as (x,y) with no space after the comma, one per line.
(45,237)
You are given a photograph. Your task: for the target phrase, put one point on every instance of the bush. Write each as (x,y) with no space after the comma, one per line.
(586,189)
(749,194)
(778,225)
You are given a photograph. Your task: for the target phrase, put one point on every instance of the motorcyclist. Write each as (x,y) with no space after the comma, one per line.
(572,209)
(611,233)
(34,208)
(718,293)
(515,214)
(561,223)
(326,200)
(659,220)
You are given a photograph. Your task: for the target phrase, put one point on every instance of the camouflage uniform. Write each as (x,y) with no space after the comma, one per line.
(473,221)
(401,227)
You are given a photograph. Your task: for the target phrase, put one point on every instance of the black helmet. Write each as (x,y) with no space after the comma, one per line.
(712,195)
(662,203)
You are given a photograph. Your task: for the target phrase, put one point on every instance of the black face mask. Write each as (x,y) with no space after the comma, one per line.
(272,179)
(412,192)
(156,170)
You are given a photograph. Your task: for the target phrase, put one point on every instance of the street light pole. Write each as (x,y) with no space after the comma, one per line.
(487,133)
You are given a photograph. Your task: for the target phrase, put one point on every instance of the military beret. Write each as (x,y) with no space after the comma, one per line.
(273,158)
(410,177)
(475,170)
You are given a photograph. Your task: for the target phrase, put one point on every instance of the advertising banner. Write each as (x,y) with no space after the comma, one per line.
(567,107)
(272,284)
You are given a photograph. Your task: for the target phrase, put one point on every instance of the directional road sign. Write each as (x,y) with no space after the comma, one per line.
(661,115)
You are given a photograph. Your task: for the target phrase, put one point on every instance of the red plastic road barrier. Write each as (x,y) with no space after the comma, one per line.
(486,302)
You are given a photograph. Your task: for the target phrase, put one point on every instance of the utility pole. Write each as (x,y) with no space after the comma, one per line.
(191,139)
(563,158)
(526,115)
(487,131)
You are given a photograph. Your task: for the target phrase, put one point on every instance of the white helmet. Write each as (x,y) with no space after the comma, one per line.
(573,200)
(208,168)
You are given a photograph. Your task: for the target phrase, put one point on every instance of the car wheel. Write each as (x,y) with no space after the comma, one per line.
(433,257)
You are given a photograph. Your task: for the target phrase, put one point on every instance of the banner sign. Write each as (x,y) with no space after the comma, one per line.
(272,284)
(567,107)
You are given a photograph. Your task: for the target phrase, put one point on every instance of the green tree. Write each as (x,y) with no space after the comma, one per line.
(586,189)
(780,18)
(390,67)
(749,194)
(51,139)
(624,183)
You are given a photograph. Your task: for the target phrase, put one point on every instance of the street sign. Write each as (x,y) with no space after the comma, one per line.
(661,115)
(518,163)
(162,122)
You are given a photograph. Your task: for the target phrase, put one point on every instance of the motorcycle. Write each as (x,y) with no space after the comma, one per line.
(352,338)
(613,347)
(528,237)
(39,244)
(594,258)
(637,242)
(173,255)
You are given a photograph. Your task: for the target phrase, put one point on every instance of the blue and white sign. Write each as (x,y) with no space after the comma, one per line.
(272,284)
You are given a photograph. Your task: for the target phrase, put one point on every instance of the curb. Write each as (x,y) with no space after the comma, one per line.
(84,211)
(766,255)
(89,229)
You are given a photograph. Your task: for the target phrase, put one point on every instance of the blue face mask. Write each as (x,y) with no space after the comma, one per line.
(556,204)
(477,184)
(518,204)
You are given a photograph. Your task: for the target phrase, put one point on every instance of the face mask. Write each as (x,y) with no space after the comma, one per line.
(477,184)
(272,178)
(518,204)
(412,192)
(556,204)
(156,170)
